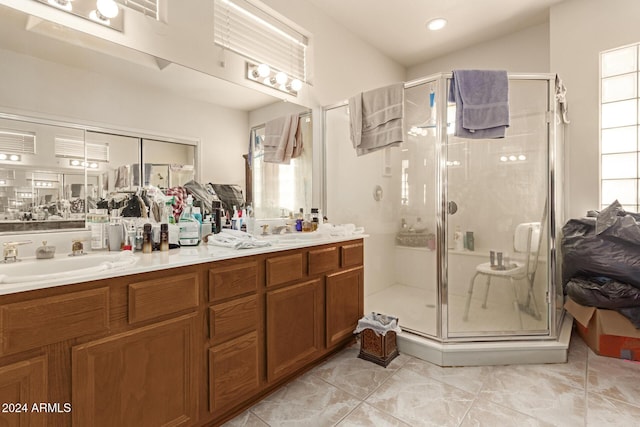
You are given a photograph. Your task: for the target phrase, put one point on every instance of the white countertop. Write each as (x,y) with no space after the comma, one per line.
(156,260)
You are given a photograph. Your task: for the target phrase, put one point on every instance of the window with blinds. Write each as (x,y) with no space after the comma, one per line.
(620,127)
(148,7)
(255,34)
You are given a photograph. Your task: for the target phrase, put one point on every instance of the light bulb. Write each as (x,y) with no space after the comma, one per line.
(263,70)
(296,84)
(61,4)
(503,158)
(522,157)
(513,158)
(281,77)
(14,157)
(107,8)
(436,24)
(96,16)
(3,156)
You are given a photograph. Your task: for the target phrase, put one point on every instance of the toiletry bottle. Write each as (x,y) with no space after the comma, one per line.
(139,239)
(130,241)
(147,244)
(299,220)
(189,234)
(164,237)
(315,219)
(234,219)
(97,220)
(458,239)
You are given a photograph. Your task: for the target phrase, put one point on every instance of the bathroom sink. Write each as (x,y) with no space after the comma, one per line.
(61,266)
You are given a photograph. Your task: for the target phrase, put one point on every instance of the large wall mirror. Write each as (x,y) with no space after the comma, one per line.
(51,175)
(69,86)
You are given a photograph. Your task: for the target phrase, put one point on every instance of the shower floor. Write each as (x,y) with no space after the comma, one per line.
(416,310)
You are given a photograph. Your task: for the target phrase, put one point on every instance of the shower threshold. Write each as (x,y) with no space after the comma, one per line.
(485,353)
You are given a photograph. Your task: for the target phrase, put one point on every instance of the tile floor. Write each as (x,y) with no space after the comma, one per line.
(589,390)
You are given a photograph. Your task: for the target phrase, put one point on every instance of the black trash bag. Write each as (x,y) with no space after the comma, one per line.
(602,292)
(612,251)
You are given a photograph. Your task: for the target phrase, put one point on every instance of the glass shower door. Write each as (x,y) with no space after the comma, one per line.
(496,229)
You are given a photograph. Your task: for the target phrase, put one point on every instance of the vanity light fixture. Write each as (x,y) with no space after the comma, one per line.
(436,24)
(513,158)
(80,164)
(103,12)
(10,157)
(266,75)
(62,4)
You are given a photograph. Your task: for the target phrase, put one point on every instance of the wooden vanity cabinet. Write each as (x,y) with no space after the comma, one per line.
(235,367)
(186,346)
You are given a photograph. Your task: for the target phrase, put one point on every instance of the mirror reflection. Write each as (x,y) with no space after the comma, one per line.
(51,176)
(51,72)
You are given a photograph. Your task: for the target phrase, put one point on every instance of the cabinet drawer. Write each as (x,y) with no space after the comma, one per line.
(283,269)
(321,260)
(42,321)
(158,297)
(352,255)
(234,372)
(232,281)
(233,318)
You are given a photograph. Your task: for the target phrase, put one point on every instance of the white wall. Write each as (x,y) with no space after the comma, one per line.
(525,51)
(74,95)
(342,63)
(580,30)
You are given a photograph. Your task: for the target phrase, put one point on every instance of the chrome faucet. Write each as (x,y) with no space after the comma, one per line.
(10,250)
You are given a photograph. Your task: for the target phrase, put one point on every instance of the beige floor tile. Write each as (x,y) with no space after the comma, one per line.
(246,419)
(604,412)
(485,413)
(421,401)
(469,379)
(354,375)
(306,401)
(614,378)
(536,391)
(368,416)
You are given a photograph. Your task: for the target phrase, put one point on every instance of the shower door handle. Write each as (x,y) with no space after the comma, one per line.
(452,207)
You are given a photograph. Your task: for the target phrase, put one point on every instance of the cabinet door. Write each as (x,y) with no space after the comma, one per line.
(23,383)
(344,304)
(144,377)
(294,327)
(234,372)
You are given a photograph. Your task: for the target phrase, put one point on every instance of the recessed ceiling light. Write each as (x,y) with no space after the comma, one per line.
(436,24)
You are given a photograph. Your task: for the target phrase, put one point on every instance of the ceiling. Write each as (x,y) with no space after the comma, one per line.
(397,28)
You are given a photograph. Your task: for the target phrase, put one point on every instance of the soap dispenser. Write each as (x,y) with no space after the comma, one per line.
(44,251)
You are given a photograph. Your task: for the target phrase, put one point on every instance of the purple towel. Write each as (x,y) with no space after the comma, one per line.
(482,103)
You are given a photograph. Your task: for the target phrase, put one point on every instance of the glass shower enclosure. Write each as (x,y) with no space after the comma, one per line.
(463,245)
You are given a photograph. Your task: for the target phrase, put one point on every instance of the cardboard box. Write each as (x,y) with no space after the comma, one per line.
(606,332)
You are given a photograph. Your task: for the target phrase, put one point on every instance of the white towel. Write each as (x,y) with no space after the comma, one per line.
(376,118)
(235,239)
(282,139)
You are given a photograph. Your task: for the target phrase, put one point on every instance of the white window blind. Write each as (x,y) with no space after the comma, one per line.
(251,32)
(17,141)
(620,127)
(148,7)
(66,147)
